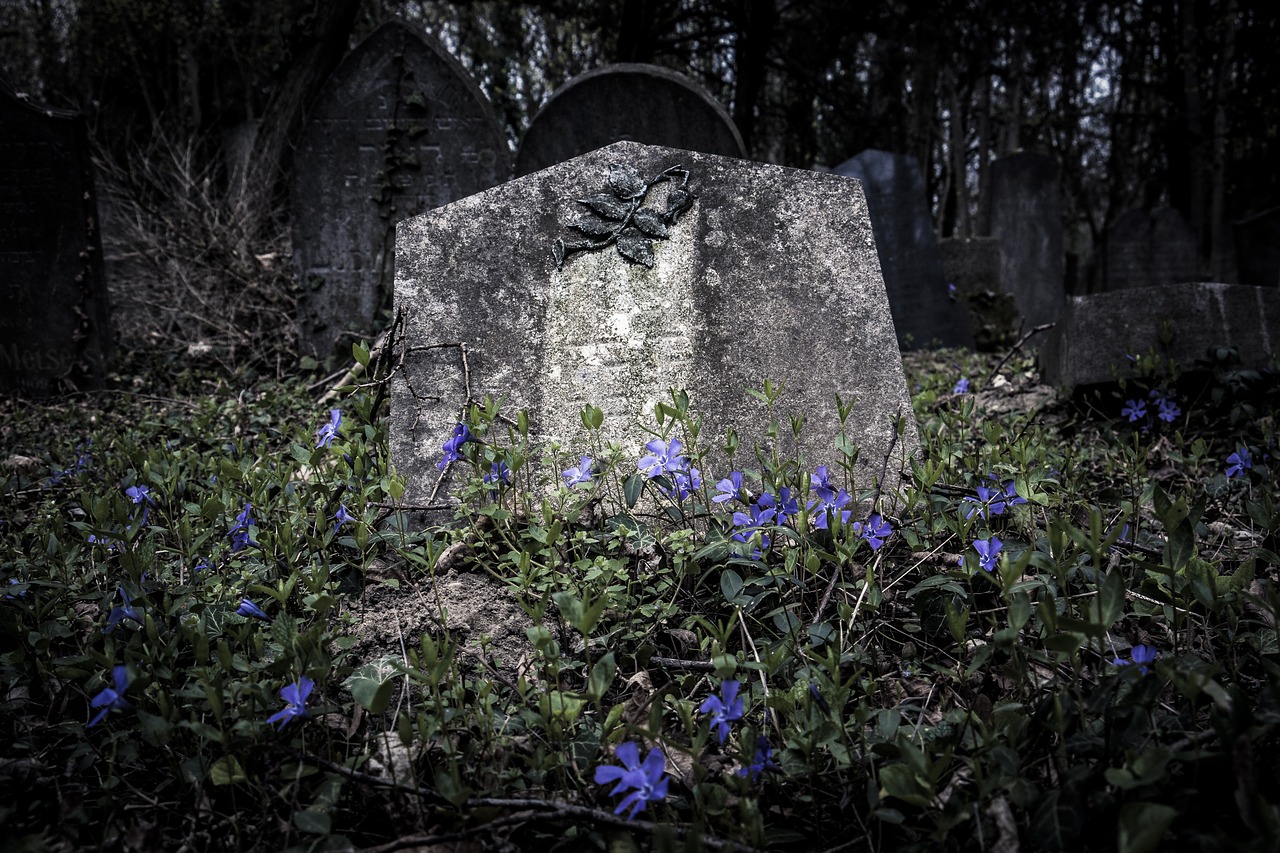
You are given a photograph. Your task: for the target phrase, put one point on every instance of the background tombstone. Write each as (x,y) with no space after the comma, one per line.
(772,273)
(54,319)
(1096,332)
(1149,248)
(1026,217)
(973,265)
(626,102)
(398,129)
(908,250)
(1258,248)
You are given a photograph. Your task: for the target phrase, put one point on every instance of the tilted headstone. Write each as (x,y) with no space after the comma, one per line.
(1149,248)
(973,265)
(54,318)
(766,273)
(629,102)
(398,129)
(1097,332)
(908,250)
(1258,248)
(1026,217)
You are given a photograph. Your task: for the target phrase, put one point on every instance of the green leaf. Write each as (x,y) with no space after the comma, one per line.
(631,489)
(312,821)
(601,677)
(372,684)
(900,782)
(1111,599)
(227,771)
(1142,826)
(731,585)
(360,353)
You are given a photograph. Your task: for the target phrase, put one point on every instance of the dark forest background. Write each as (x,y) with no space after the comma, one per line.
(1146,103)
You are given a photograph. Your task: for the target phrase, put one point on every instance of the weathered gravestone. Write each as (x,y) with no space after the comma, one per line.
(626,102)
(399,129)
(1258,248)
(1096,332)
(908,249)
(770,273)
(1026,217)
(54,318)
(1149,248)
(973,265)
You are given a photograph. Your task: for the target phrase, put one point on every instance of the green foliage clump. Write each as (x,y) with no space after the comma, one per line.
(1061,632)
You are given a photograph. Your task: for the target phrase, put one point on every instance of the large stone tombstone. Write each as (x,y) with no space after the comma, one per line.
(626,102)
(54,319)
(1149,248)
(770,274)
(1097,332)
(1026,217)
(1258,248)
(908,249)
(399,129)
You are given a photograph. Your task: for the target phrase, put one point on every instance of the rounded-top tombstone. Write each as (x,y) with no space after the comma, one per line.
(54,316)
(627,102)
(398,129)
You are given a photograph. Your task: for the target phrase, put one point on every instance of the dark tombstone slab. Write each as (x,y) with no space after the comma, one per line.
(1258,248)
(1096,332)
(923,311)
(626,102)
(770,273)
(54,318)
(399,129)
(973,265)
(1149,248)
(1026,217)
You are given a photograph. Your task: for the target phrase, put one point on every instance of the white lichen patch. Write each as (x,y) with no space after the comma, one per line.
(618,336)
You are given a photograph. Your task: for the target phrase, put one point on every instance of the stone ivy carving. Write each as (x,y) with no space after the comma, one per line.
(619,217)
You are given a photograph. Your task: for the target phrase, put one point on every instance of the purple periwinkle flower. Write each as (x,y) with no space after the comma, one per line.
(662,458)
(762,761)
(342,517)
(647,782)
(248,609)
(1239,462)
(295,697)
(988,552)
(1142,654)
(581,473)
(1134,410)
(239,532)
(752,522)
(729,489)
(1169,410)
(993,501)
(453,447)
(111,697)
(832,503)
(724,708)
(499,475)
(951,291)
(783,504)
(875,531)
(684,484)
(119,614)
(962,387)
(327,433)
(821,480)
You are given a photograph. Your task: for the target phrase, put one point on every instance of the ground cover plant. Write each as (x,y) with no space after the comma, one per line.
(1061,633)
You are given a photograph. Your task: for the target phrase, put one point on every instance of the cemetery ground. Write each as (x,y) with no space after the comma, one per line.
(222,631)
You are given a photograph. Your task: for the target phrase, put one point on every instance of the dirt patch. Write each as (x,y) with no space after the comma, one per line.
(475,607)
